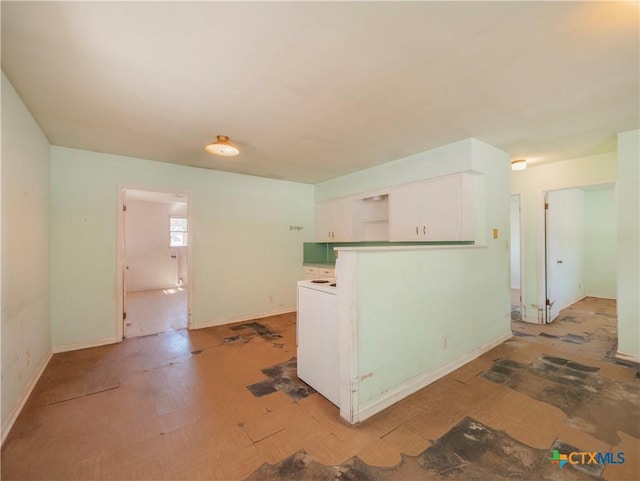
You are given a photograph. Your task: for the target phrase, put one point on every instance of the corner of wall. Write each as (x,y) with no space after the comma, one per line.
(628,218)
(10,420)
(26,283)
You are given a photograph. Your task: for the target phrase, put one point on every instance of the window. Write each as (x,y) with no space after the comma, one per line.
(178,231)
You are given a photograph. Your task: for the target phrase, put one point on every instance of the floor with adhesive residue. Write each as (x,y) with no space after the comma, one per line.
(551,403)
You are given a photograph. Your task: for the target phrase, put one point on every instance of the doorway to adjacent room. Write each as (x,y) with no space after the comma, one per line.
(154,261)
(580,246)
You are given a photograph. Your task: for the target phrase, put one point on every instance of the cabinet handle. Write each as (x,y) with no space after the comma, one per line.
(416,230)
(424,229)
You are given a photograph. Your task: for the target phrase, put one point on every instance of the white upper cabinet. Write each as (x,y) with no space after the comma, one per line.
(439,209)
(333,221)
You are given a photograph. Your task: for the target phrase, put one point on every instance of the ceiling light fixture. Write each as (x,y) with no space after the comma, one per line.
(223,147)
(519,164)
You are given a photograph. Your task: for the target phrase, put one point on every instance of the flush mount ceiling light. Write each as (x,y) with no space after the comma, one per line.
(519,164)
(222,146)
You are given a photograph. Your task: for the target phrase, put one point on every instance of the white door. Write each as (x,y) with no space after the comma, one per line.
(565,241)
(551,261)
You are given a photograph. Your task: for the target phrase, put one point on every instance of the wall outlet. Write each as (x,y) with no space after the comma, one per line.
(444,342)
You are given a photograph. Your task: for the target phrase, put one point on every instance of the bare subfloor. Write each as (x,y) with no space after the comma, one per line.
(225,403)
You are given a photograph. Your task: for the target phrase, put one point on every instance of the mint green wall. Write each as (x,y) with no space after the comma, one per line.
(455,157)
(628,190)
(531,184)
(409,301)
(246,260)
(26,314)
(601,243)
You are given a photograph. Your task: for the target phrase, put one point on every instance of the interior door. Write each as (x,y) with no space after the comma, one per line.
(553,262)
(549,271)
(565,252)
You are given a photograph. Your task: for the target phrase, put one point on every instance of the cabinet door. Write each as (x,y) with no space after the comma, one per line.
(341,220)
(406,213)
(442,209)
(333,221)
(324,221)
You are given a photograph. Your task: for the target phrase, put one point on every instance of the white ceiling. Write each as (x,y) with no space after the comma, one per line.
(313,90)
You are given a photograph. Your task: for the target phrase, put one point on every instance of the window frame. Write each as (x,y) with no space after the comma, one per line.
(184,233)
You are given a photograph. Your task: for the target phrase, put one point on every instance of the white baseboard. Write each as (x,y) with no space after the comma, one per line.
(422,380)
(13,415)
(623,356)
(84,345)
(233,320)
(569,305)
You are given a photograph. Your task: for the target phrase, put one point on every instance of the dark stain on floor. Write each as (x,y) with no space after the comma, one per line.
(521,334)
(261,330)
(282,377)
(572,338)
(469,451)
(234,339)
(577,389)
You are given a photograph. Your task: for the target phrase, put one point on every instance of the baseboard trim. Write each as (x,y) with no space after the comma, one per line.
(13,415)
(423,380)
(233,320)
(568,305)
(84,345)
(624,356)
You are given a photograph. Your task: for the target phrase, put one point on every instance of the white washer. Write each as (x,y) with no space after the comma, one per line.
(317,334)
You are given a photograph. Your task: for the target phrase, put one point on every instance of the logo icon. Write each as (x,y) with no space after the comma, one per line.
(584,457)
(559,459)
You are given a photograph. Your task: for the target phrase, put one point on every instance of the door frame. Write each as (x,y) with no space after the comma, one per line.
(543,281)
(120,251)
(521,254)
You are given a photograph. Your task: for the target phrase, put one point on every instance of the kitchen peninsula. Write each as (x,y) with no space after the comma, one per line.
(406,317)
(437,296)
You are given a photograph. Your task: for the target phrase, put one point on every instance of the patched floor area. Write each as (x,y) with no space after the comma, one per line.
(469,451)
(213,404)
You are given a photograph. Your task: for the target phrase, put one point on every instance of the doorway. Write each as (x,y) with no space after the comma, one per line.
(515,248)
(154,261)
(580,246)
